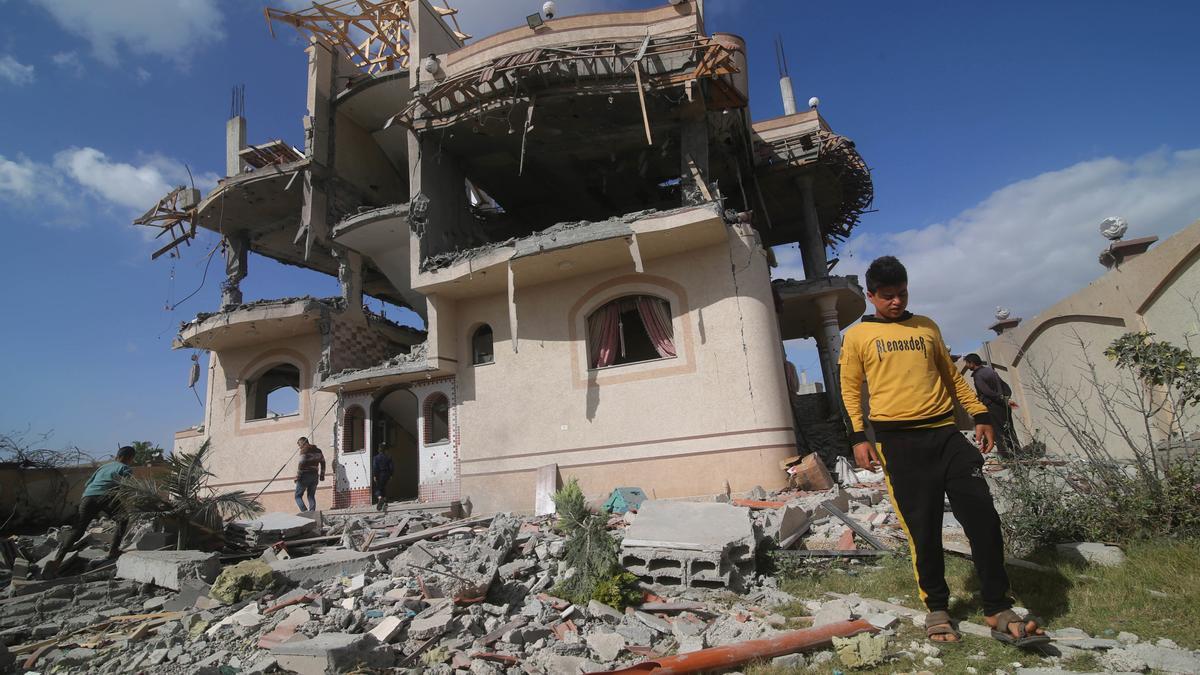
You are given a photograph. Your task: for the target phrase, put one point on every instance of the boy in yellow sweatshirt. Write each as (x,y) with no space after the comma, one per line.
(912,384)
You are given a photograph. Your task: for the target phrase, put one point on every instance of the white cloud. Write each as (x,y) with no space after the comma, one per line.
(68,61)
(168,28)
(143,75)
(18,179)
(1029,244)
(14,71)
(134,186)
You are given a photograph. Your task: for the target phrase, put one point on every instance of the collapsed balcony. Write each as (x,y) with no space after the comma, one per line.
(577,123)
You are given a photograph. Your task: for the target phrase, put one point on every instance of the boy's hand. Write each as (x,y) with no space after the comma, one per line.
(864,456)
(986,437)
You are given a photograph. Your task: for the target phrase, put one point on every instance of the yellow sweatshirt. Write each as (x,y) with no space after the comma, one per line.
(908,373)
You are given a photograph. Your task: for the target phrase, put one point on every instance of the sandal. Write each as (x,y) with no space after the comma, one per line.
(939,623)
(1006,619)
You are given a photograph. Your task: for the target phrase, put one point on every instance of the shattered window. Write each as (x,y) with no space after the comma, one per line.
(630,329)
(481,345)
(274,393)
(437,419)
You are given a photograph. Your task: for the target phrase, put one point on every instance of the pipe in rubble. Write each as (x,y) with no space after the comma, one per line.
(732,656)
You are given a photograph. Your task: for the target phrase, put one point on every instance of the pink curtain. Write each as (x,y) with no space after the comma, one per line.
(656,316)
(604,328)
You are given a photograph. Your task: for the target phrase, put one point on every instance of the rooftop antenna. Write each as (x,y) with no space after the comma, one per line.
(785,80)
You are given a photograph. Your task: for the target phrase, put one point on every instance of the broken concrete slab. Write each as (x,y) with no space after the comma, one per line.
(324,565)
(607,646)
(696,544)
(1143,656)
(274,526)
(333,653)
(168,569)
(435,619)
(1091,553)
(836,611)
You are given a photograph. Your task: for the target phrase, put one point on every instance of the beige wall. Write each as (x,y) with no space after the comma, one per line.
(676,427)
(245,455)
(1156,291)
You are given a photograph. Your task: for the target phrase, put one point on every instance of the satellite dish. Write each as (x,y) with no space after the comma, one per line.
(1113,228)
(1002,313)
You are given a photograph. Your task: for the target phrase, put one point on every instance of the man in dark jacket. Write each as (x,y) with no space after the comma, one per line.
(382,469)
(994,393)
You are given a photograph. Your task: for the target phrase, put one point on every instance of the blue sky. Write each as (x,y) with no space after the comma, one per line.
(999,135)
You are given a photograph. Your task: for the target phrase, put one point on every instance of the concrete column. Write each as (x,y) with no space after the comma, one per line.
(830,344)
(693,152)
(237,247)
(812,242)
(320,85)
(789,99)
(235,142)
(350,278)
(816,266)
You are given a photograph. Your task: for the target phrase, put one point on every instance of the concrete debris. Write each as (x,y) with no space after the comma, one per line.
(471,595)
(242,580)
(168,569)
(1090,553)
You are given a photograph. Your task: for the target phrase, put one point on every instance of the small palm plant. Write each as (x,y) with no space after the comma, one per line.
(181,496)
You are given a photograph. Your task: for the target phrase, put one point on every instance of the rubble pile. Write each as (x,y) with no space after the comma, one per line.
(422,587)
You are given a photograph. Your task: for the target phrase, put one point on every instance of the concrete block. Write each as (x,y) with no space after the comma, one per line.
(322,566)
(1092,553)
(333,653)
(168,569)
(388,629)
(433,620)
(832,612)
(599,610)
(702,545)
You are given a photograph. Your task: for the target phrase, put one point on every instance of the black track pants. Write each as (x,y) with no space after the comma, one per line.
(921,466)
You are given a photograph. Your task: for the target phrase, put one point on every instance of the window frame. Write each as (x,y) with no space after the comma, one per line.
(427,426)
(587,340)
(492,343)
(251,401)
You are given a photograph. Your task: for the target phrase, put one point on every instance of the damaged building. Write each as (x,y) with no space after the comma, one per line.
(581,210)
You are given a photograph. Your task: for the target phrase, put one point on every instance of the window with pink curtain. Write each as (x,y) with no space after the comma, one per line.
(630,329)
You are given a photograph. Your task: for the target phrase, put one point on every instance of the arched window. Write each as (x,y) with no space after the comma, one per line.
(354,425)
(437,419)
(481,345)
(274,393)
(630,329)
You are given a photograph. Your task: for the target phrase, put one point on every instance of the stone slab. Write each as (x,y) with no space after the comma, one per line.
(277,525)
(1092,553)
(690,526)
(322,566)
(168,569)
(331,652)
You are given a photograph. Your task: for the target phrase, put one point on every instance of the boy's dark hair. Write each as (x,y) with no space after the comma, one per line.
(973,359)
(885,271)
(126,452)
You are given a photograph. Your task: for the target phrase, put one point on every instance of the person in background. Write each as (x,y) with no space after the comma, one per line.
(994,392)
(382,469)
(309,471)
(99,496)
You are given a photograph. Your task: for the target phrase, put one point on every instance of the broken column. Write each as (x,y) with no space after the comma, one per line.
(237,247)
(694,544)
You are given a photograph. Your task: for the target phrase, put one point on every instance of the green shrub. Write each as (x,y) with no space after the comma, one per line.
(620,590)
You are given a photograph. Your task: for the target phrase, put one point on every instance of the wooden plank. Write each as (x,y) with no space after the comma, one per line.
(854,525)
(637,74)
